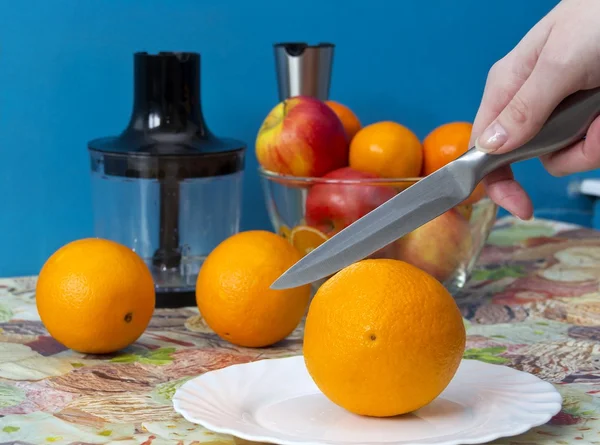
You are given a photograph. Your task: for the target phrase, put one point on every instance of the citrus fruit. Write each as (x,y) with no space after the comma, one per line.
(383,338)
(95,296)
(388,150)
(306,238)
(444,144)
(233,289)
(349,120)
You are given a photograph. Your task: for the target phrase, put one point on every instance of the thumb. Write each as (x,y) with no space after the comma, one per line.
(526,112)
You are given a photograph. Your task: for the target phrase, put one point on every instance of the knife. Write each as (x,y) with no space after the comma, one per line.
(437,193)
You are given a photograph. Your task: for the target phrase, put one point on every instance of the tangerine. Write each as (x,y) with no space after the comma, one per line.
(383,338)
(388,150)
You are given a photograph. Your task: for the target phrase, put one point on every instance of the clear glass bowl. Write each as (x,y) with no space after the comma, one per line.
(308,211)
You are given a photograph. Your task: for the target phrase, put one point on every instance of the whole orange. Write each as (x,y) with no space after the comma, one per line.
(233,290)
(349,120)
(95,296)
(443,145)
(388,150)
(383,338)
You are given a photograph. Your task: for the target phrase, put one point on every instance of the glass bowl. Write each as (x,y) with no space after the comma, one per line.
(309,210)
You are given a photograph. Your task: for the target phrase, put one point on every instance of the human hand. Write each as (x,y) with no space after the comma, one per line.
(557,57)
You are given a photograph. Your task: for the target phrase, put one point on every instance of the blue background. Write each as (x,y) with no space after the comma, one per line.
(66,77)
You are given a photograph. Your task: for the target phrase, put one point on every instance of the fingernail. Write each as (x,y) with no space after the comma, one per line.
(492,138)
(520,218)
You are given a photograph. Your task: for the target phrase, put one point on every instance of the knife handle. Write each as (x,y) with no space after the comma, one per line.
(567,124)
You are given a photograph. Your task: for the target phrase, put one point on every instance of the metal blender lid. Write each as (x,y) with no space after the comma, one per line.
(167,134)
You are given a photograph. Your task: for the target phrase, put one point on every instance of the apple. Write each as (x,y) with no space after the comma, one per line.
(302,136)
(466,210)
(331,207)
(439,246)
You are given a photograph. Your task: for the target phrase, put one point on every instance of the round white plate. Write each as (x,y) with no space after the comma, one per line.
(276,401)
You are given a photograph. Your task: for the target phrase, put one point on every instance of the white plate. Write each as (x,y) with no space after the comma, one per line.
(276,401)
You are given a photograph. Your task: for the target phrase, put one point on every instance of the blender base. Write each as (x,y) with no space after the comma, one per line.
(173,299)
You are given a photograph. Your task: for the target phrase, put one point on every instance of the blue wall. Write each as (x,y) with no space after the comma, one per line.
(66,77)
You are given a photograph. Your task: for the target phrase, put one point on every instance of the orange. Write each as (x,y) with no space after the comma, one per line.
(305,238)
(349,120)
(383,338)
(95,296)
(443,145)
(388,150)
(233,290)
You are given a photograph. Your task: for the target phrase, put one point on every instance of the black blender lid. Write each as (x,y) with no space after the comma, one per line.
(167,131)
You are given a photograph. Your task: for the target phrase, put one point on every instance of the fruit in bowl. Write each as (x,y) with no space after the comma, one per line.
(388,150)
(444,144)
(302,136)
(446,247)
(439,246)
(332,206)
(350,121)
(382,159)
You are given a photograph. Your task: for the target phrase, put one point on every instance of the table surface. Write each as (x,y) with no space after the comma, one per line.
(533,303)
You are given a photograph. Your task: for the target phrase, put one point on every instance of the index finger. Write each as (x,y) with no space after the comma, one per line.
(508,75)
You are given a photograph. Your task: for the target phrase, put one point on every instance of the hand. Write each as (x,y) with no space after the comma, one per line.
(557,57)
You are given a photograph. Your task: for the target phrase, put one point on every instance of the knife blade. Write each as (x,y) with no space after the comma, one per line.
(438,193)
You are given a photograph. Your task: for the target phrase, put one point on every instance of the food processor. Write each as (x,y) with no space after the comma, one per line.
(167,187)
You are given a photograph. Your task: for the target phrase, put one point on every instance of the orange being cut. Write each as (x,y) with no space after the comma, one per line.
(306,238)
(383,338)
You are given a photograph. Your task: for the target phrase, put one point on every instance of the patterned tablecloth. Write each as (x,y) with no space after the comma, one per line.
(533,303)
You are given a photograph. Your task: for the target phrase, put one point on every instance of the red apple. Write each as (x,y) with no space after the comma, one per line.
(438,247)
(331,207)
(302,136)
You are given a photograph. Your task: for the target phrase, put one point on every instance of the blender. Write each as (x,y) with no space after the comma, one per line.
(166,186)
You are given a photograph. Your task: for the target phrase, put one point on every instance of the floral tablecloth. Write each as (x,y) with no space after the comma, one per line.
(533,303)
